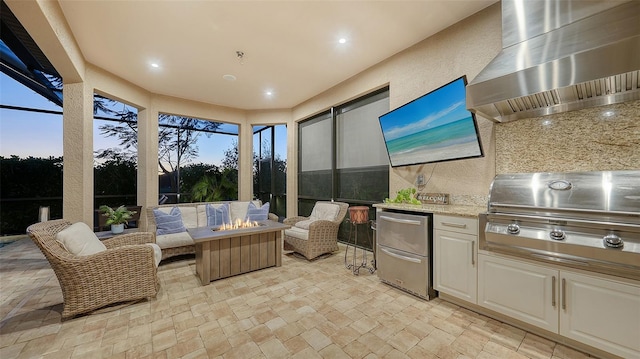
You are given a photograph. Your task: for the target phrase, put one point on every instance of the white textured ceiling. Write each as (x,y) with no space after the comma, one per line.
(290,47)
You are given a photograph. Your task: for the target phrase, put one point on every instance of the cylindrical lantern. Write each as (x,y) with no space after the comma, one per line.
(359,214)
(43,214)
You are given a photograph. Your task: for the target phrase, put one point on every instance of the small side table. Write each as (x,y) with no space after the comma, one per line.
(358,217)
(108,234)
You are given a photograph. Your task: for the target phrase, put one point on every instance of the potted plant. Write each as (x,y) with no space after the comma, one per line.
(405,196)
(117,218)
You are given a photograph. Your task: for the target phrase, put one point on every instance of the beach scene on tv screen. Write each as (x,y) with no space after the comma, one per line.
(433,128)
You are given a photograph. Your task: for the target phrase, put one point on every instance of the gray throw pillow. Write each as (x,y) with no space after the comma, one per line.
(217,216)
(257,214)
(169,223)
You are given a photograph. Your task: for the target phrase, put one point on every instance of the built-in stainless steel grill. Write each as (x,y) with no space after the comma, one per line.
(586,220)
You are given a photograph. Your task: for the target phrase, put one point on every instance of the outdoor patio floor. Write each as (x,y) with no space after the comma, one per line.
(303,309)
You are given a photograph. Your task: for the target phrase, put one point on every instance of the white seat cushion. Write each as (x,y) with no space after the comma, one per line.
(201,214)
(304,224)
(325,211)
(238,209)
(189,216)
(174,240)
(321,211)
(157,253)
(297,233)
(78,239)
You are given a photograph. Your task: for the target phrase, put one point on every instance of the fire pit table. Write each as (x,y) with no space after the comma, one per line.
(224,253)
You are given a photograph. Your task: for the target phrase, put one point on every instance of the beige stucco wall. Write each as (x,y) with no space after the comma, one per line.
(77,137)
(49,29)
(462,49)
(583,140)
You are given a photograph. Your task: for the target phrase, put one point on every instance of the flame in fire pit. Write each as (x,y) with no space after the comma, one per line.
(238,224)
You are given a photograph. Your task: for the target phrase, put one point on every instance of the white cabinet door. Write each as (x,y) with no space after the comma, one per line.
(457,224)
(520,290)
(602,313)
(455,270)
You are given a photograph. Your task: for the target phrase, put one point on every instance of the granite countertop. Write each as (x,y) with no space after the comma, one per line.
(457,210)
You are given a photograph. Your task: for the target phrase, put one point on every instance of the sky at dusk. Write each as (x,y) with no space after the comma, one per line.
(35,134)
(27,133)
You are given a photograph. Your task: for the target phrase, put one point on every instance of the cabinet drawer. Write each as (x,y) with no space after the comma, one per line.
(404,270)
(402,231)
(456,224)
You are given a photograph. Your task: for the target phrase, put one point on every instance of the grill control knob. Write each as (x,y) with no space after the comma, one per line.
(613,241)
(557,235)
(513,228)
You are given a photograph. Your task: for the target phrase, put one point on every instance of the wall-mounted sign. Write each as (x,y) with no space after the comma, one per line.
(433,198)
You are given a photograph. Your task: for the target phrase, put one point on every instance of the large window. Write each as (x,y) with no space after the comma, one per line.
(30,157)
(197,160)
(270,167)
(362,163)
(316,157)
(115,138)
(342,156)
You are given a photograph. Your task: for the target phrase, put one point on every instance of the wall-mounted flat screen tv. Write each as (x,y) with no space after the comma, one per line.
(435,127)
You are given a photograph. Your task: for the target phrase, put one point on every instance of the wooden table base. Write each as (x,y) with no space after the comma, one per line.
(220,255)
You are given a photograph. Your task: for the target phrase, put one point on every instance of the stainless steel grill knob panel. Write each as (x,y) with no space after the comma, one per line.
(513,228)
(613,241)
(557,235)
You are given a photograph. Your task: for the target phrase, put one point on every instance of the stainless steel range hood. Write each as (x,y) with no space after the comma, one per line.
(560,55)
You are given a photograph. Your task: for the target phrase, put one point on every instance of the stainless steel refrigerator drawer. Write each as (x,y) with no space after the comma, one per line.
(403,270)
(405,232)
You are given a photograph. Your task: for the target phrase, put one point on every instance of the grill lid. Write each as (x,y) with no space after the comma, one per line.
(612,196)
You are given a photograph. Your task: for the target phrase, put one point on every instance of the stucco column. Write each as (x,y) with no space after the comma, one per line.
(77,189)
(292,169)
(147,182)
(245,163)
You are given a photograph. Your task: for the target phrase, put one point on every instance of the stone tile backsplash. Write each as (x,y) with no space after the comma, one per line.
(595,139)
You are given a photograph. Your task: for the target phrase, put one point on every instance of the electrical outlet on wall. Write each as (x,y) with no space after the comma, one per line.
(420,180)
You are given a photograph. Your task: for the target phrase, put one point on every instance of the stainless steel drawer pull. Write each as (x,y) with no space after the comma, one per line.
(553,291)
(404,258)
(564,294)
(473,246)
(403,221)
(560,260)
(456,225)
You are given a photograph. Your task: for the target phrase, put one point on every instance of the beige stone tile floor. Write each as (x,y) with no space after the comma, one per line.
(303,309)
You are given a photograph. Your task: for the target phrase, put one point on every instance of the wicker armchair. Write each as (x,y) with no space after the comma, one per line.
(126,271)
(322,234)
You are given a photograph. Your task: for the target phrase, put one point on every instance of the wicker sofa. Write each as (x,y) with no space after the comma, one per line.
(193,215)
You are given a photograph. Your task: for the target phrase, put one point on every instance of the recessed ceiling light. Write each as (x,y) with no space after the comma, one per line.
(342,40)
(229,77)
(155,65)
(268,92)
